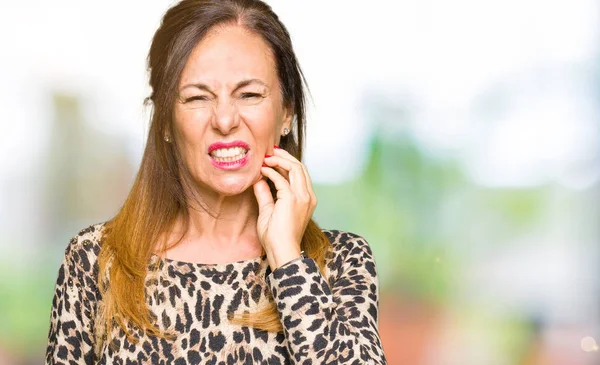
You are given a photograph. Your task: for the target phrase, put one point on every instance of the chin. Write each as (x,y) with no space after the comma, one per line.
(232,186)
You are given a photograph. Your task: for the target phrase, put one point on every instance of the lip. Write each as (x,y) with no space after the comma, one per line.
(217,145)
(229,165)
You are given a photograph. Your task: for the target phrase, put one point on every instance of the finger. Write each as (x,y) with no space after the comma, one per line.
(281,184)
(296,177)
(285,154)
(280,152)
(281,171)
(263,195)
(309,186)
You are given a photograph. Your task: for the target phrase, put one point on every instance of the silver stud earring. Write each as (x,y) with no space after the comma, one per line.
(167,138)
(285,131)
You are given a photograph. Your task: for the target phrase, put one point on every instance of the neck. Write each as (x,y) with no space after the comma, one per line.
(229,224)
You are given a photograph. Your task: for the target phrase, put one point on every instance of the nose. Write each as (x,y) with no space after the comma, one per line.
(226,117)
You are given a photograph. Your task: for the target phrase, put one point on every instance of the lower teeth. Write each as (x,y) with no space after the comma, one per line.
(228,159)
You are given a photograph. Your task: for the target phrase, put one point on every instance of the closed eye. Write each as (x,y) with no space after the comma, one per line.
(250,95)
(198,97)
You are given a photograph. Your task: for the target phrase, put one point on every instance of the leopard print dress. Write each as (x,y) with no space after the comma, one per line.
(325,321)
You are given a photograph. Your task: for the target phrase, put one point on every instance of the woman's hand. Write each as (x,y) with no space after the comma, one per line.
(281,224)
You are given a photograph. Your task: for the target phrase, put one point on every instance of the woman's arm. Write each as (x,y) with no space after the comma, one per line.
(337,325)
(71,335)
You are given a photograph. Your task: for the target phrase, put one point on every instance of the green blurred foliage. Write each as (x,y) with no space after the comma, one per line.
(422,214)
(395,203)
(25,303)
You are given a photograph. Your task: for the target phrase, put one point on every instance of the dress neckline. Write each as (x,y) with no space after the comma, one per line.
(220,265)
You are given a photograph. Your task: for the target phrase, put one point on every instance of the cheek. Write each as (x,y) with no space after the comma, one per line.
(191,124)
(261,119)
(191,127)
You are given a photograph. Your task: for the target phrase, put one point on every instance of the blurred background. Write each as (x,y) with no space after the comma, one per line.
(460,138)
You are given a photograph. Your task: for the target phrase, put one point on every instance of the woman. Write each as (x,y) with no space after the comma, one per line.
(207,261)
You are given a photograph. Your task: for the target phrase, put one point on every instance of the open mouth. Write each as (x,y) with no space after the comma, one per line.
(228,154)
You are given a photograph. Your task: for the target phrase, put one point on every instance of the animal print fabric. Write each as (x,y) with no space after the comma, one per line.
(325,321)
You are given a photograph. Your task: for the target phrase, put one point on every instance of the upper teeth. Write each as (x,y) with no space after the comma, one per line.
(228,152)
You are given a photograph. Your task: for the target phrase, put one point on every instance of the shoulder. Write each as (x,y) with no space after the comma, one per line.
(344,241)
(83,249)
(349,249)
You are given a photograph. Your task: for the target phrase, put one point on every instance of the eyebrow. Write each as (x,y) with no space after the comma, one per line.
(239,85)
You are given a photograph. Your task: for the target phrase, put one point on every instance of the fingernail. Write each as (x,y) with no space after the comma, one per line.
(276,146)
(264,165)
(268,155)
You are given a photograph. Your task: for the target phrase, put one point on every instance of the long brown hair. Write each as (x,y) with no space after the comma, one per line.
(161,191)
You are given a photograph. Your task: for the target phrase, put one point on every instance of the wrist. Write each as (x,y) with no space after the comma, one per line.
(280,259)
(300,257)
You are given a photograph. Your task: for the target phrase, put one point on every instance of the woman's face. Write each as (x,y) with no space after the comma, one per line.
(229,93)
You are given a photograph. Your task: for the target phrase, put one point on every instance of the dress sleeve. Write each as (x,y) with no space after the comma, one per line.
(71,338)
(337,325)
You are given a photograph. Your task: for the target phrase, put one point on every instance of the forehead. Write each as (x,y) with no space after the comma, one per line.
(227,55)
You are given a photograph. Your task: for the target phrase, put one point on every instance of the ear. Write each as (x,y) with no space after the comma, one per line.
(288,116)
